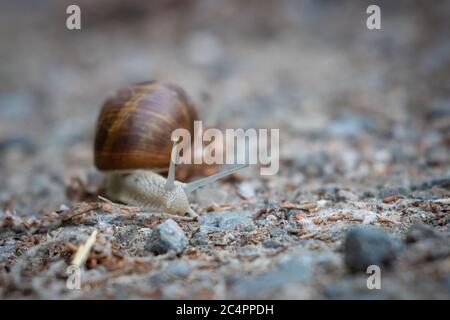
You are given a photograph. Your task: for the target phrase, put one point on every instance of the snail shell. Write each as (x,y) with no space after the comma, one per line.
(135,126)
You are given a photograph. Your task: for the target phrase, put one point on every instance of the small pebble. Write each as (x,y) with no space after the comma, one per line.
(179,268)
(420,232)
(272,244)
(167,236)
(229,220)
(368,246)
(347,196)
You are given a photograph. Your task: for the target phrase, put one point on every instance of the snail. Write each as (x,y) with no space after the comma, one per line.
(133,144)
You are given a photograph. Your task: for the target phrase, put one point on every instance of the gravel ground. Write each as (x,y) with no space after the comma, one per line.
(364,177)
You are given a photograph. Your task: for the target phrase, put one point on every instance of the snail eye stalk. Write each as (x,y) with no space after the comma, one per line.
(189,187)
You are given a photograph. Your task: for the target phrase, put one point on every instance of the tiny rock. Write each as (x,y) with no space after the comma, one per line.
(420,232)
(229,220)
(272,244)
(368,246)
(178,268)
(167,236)
(347,196)
(246,191)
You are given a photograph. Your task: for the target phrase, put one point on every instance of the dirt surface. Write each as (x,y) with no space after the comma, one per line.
(364,119)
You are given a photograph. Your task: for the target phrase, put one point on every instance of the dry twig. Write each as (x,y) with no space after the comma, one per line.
(303,206)
(83,251)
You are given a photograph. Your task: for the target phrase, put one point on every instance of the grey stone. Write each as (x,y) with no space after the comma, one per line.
(249,251)
(292,269)
(386,192)
(179,268)
(126,234)
(329,191)
(420,232)
(347,160)
(441,181)
(278,233)
(369,246)
(428,249)
(314,164)
(21,143)
(167,236)
(346,195)
(351,126)
(272,244)
(437,156)
(200,238)
(7,249)
(230,220)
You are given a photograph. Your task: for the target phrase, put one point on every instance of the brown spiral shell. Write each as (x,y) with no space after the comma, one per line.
(135,126)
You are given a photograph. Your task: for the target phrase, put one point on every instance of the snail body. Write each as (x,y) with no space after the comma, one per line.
(133,141)
(146,189)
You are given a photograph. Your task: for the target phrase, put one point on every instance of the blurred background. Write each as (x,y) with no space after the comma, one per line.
(353,105)
(364,119)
